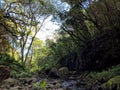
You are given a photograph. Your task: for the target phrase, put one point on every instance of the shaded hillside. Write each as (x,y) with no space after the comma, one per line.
(102,52)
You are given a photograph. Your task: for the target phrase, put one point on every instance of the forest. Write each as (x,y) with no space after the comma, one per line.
(83,53)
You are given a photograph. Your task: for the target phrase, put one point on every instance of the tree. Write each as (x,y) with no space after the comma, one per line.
(7,32)
(88,19)
(93,25)
(35,52)
(29,17)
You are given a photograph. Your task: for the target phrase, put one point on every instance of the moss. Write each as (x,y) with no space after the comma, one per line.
(105,74)
(112,74)
(113,83)
(63,72)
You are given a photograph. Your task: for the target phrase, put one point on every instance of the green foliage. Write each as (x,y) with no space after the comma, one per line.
(22,19)
(36,86)
(44,59)
(7,29)
(9,61)
(106,74)
(20,74)
(48,56)
(16,69)
(40,85)
(14,74)
(82,25)
(86,23)
(91,19)
(43,84)
(113,83)
(24,74)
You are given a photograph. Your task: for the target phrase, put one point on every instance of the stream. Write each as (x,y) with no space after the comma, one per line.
(46,84)
(69,84)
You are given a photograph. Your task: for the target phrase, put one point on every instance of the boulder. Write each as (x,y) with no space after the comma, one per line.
(10,82)
(4,72)
(63,72)
(53,73)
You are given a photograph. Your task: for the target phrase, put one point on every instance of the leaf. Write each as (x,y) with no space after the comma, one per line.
(43,84)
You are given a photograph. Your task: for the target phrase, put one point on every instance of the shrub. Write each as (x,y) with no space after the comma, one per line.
(14,66)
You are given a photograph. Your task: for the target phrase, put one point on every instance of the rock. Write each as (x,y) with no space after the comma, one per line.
(50,86)
(27,80)
(10,82)
(53,73)
(4,89)
(14,88)
(112,84)
(54,85)
(63,72)
(66,84)
(42,75)
(4,72)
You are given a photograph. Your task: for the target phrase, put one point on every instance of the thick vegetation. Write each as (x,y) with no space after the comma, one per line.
(87,42)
